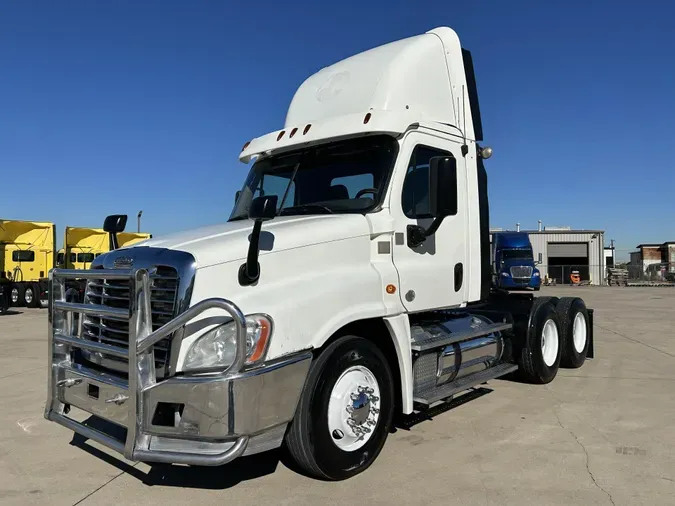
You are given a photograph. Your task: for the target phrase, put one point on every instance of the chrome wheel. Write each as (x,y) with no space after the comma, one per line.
(354,408)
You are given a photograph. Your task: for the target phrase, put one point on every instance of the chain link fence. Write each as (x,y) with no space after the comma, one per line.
(657,272)
(601,275)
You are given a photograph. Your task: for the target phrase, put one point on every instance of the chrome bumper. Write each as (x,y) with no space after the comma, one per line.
(212,418)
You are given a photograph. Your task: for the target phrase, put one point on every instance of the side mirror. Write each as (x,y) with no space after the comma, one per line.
(443,186)
(263,208)
(442,197)
(114,224)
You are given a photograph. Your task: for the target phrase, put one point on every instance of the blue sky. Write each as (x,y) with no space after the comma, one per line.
(151,102)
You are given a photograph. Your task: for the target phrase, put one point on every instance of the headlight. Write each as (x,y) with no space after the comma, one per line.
(218,347)
(505,274)
(536,273)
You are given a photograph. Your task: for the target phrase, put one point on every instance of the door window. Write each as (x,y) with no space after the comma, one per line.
(415,193)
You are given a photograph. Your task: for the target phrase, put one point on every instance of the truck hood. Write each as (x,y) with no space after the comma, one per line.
(229,241)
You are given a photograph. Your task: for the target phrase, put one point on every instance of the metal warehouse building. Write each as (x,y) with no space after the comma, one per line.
(561,251)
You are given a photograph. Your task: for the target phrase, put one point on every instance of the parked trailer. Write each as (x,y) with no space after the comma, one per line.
(351,284)
(26,256)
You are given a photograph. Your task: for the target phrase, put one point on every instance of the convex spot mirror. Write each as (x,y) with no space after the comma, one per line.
(263,208)
(115,223)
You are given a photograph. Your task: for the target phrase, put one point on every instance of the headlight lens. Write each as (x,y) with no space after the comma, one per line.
(218,347)
(536,273)
(505,274)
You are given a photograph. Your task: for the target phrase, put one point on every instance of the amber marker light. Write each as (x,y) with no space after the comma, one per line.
(261,345)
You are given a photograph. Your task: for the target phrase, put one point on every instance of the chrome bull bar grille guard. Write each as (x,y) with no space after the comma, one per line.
(65,336)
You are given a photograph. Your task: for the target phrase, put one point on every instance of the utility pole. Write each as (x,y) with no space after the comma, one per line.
(139,221)
(611,243)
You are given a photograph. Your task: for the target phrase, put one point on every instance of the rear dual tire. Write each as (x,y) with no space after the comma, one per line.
(31,295)
(16,295)
(575,331)
(558,335)
(540,355)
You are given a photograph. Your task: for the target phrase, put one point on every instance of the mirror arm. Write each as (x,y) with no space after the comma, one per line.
(418,234)
(112,241)
(249,272)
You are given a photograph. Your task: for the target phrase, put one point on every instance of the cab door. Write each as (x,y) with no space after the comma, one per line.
(432,274)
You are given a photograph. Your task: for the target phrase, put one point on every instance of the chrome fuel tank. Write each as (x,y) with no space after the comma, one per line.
(444,364)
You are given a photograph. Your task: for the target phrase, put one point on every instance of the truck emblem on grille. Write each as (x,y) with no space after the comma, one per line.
(123,263)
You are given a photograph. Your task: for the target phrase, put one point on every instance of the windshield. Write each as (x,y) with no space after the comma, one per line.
(517,254)
(339,177)
(85,257)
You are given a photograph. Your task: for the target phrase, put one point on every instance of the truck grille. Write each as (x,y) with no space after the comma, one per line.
(115,293)
(521,271)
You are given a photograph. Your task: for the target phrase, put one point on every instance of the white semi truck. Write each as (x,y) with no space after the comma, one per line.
(350,286)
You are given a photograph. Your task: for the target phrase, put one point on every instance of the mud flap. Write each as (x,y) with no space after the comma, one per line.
(590,353)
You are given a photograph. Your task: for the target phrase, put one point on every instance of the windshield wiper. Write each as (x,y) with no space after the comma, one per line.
(306,206)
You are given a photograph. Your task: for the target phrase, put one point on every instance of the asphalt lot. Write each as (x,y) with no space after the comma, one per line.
(602,434)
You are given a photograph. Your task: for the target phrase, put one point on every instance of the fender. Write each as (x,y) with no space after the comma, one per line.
(399,330)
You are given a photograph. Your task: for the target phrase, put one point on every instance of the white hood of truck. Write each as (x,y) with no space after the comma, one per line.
(229,241)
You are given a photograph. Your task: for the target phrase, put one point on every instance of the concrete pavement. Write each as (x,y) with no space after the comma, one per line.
(603,434)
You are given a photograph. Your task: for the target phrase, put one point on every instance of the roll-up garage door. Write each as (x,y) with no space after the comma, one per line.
(567,250)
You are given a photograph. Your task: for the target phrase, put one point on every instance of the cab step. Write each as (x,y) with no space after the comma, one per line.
(435,394)
(445,339)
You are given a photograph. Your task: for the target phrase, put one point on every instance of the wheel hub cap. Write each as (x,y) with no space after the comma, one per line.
(354,408)
(360,406)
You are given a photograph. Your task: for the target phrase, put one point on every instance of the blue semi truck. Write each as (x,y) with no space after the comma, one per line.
(513,264)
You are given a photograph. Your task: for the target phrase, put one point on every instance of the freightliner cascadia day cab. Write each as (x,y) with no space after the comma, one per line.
(513,262)
(26,257)
(350,287)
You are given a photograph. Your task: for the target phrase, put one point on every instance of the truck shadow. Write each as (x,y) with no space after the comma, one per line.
(166,475)
(10,312)
(244,468)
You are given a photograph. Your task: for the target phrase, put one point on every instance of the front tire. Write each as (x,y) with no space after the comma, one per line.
(341,423)
(574,324)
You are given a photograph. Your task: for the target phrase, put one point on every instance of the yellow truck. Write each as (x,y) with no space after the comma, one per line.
(26,257)
(81,245)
